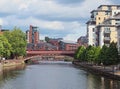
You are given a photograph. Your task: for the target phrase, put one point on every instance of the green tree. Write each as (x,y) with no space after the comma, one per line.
(90,51)
(79,52)
(76,53)
(5,47)
(96,55)
(103,55)
(112,55)
(47,39)
(83,55)
(17,39)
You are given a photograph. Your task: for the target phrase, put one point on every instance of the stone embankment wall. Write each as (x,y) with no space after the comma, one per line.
(99,71)
(8,63)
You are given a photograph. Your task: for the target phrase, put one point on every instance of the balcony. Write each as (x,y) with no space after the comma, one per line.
(106,41)
(107,38)
(107,31)
(92,16)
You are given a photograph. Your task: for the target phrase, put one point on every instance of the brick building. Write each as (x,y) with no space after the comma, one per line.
(82,41)
(42,46)
(68,46)
(32,35)
(55,42)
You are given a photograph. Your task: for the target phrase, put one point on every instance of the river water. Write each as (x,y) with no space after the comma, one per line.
(54,75)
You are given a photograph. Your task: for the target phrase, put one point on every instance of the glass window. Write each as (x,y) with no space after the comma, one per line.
(109,7)
(93,29)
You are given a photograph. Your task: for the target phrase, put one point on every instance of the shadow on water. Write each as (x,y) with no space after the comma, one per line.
(9,73)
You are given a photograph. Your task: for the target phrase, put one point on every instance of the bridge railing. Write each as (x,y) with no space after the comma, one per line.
(50,52)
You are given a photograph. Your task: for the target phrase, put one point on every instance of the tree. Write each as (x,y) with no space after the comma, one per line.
(5,47)
(112,54)
(76,53)
(97,53)
(103,55)
(17,39)
(47,39)
(90,51)
(79,52)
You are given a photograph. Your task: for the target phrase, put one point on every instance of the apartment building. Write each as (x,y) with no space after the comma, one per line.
(118,33)
(107,31)
(32,35)
(102,32)
(91,32)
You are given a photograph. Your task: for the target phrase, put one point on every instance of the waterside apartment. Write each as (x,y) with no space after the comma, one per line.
(103,24)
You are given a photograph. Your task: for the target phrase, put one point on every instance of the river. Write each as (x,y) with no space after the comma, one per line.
(54,75)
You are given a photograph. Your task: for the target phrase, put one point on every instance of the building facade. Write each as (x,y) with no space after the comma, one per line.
(82,41)
(32,35)
(107,31)
(105,26)
(118,33)
(68,46)
(91,32)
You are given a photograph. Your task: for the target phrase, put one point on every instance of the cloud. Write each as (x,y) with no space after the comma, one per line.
(1,21)
(53,29)
(54,17)
(68,1)
(77,31)
(50,8)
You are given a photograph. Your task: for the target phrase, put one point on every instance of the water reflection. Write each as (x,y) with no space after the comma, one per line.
(55,75)
(98,82)
(10,73)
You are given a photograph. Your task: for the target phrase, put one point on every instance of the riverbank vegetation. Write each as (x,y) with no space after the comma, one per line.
(96,55)
(13,43)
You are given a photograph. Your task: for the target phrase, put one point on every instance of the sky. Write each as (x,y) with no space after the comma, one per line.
(55,18)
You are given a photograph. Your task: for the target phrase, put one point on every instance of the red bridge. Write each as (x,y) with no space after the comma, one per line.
(31,55)
(48,53)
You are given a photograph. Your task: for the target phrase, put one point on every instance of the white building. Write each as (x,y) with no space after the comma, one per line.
(118,43)
(91,33)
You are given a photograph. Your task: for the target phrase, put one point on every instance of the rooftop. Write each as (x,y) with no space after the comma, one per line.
(107,5)
(68,41)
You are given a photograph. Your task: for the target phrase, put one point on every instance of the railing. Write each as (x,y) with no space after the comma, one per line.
(107,31)
(50,52)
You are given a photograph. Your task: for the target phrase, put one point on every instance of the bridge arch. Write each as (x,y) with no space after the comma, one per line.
(45,55)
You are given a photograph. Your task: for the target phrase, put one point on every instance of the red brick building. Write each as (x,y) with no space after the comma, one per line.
(32,35)
(68,46)
(82,41)
(55,42)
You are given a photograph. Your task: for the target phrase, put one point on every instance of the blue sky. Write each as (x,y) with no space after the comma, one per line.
(55,18)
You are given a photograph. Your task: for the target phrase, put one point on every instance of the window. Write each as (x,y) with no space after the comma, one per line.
(99,18)
(109,8)
(119,41)
(104,18)
(96,13)
(106,30)
(107,13)
(93,29)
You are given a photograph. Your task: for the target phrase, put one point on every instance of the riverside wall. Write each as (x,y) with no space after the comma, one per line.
(100,71)
(10,63)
